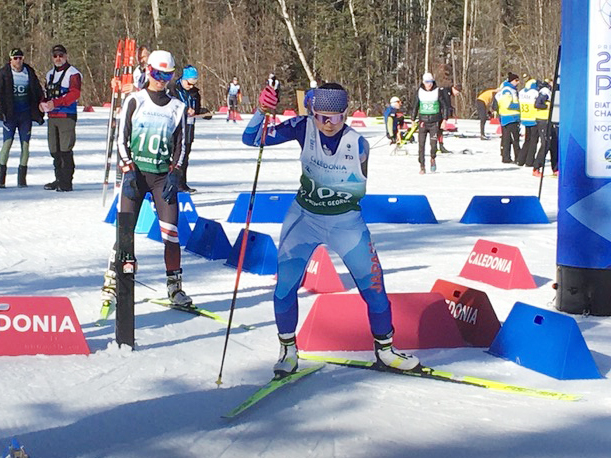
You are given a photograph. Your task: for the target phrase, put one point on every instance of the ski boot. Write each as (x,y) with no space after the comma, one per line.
(287,361)
(433,166)
(108,296)
(388,357)
(422,170)
(176,295)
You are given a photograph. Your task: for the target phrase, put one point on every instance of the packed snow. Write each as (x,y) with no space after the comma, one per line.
(162,399)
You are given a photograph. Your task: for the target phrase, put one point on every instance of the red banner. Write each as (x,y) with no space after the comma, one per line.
(498,265)
(32,325)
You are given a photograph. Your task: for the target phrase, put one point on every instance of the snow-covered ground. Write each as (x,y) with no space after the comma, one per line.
(162,400)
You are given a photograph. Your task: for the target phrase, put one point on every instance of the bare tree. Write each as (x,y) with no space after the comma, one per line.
(289,26)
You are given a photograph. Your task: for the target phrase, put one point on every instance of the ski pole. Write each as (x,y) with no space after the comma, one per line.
(251,204)
(112,120)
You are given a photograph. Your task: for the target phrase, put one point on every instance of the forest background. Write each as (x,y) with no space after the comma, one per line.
(375,48)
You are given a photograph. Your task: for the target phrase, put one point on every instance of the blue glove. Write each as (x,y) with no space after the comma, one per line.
(130,186)
(170,188)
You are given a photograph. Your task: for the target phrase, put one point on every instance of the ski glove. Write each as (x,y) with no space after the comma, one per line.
(170,188)
(268,99)
(130,186)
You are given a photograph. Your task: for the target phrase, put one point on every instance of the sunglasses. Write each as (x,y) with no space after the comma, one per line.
(55,56)
(158,75)
(333,119)
(17,57)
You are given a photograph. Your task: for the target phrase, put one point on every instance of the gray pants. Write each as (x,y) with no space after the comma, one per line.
(61,135)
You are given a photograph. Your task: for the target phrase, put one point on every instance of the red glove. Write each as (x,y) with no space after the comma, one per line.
(268,99)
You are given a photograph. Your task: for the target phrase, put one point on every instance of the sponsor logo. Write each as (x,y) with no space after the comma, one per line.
(37,323)
(462,312)
(376,270)
(490,262)
(324,165)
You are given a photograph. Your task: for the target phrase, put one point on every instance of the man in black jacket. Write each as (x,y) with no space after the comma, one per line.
(431,109)
(20,94)
(184,90)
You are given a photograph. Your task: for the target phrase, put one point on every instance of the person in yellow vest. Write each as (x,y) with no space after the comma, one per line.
(542,104)
(484,108)
(528,118)
(509,113)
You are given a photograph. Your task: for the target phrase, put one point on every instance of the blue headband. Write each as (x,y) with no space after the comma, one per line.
(330,100)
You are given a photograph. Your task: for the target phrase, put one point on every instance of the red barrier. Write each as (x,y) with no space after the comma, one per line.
(321,276)
(289,113)
(357,123)
(472,310)
(223,110)
(106,105)
(359,114)
(339,322)
(498,265)
(88,109)
(495,121)
(39,325)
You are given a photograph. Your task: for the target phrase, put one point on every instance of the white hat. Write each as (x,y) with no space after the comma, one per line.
(313,84)
(428,78)
(162,61)
(395,100)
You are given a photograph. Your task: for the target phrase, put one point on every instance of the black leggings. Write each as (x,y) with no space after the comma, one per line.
(432,129)
(482,114)
(167,213)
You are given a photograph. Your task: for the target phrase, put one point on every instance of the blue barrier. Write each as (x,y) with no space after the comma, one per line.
(187,207)
(272,208)
(504,210)
(545,341)
(209,240)
(268,207)
(146,217)
(406,209)
(184,230)
(261,254)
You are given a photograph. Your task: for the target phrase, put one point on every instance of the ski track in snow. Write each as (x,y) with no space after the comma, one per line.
(162,400)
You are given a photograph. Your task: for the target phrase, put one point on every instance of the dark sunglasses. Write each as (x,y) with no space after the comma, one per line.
(55,56)
(158,75)
(17,57)
(333,119)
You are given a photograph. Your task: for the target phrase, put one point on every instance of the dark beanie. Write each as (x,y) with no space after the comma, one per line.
(512,76)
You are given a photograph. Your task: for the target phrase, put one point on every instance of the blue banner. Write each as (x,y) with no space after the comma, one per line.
(584,194)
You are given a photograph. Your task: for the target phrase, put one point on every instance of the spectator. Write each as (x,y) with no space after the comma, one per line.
(184,90)
(63,89)
(20,97)
(484,109)
(509,112)
(234,96)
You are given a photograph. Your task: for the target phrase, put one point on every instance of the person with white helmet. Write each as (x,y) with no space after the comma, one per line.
(393,119)
(152,151)
(431,110)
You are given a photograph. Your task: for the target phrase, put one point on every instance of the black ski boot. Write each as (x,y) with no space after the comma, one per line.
(21,173)
(2,176)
